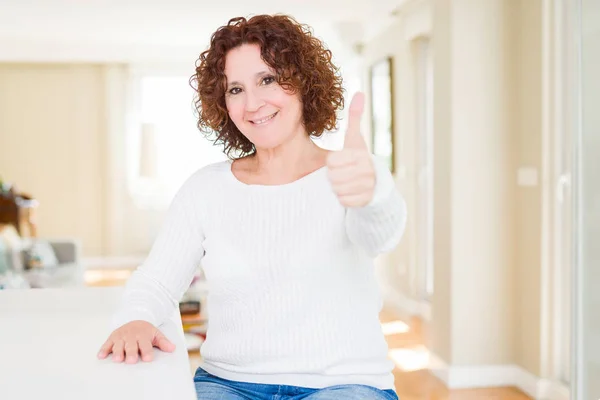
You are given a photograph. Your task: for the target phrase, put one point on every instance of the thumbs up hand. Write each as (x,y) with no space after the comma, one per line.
(351,170)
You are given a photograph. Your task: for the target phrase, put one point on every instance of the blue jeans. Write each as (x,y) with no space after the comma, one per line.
(210,387)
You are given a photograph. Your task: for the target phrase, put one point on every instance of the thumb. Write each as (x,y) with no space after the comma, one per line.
(354,139)
(162,342)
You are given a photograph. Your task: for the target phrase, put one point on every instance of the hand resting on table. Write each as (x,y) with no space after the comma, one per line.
(136,338)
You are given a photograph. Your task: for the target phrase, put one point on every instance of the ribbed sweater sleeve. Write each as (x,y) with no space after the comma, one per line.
(156,287)
(378,227)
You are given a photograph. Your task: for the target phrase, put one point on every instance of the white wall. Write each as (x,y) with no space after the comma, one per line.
(51,146)
(488,123)
(474,253)
(481,191)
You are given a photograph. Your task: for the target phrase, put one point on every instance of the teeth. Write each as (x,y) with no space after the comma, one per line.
(262,121)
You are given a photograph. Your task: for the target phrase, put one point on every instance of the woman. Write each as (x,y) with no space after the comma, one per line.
(285,231)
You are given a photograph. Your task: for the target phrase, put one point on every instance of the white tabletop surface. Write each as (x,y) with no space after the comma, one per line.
(49,339)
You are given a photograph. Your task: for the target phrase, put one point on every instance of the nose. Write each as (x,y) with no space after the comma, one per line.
(253,101)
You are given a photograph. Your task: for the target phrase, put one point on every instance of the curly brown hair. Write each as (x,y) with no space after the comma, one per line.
(301,62)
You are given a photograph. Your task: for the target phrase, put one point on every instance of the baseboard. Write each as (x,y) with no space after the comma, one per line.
(552,390)
(528,383)
(439,368)
(486,376)
(467,377)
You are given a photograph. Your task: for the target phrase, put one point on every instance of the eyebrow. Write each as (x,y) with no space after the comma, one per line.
(257,75)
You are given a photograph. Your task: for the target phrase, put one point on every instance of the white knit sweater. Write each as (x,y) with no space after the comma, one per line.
(293,298)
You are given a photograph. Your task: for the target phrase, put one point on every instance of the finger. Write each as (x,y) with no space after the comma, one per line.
(117,351)
(357,200)
(354,139)
(131,352)
(348,173)
(337,159)
(146,350)
(105,350)
(162,342)
(344,175)
(355,187)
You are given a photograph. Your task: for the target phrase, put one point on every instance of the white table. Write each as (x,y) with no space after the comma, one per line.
(49,339)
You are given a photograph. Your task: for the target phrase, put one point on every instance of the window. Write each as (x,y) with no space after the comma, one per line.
(166,146)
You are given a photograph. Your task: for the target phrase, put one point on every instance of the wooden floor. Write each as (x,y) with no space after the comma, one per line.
(405,340)
(413,381)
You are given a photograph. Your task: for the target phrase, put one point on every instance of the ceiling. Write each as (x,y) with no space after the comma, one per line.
(159,29)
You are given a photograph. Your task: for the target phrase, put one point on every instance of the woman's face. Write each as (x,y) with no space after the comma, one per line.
(261,109)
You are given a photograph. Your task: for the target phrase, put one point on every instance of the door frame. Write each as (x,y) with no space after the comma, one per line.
(559,124)
(424,163)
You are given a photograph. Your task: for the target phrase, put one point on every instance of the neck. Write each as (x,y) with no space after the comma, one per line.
(295,156)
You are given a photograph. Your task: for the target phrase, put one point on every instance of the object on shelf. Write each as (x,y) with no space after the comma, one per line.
(18,209)
(13,246)
(40,254)
(190,307)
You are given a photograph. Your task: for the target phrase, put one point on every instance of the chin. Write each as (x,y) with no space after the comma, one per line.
(266,139)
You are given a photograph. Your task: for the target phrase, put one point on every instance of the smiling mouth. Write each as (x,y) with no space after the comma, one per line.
(265,119)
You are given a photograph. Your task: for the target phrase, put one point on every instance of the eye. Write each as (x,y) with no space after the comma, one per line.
(267,80)
(235,90)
